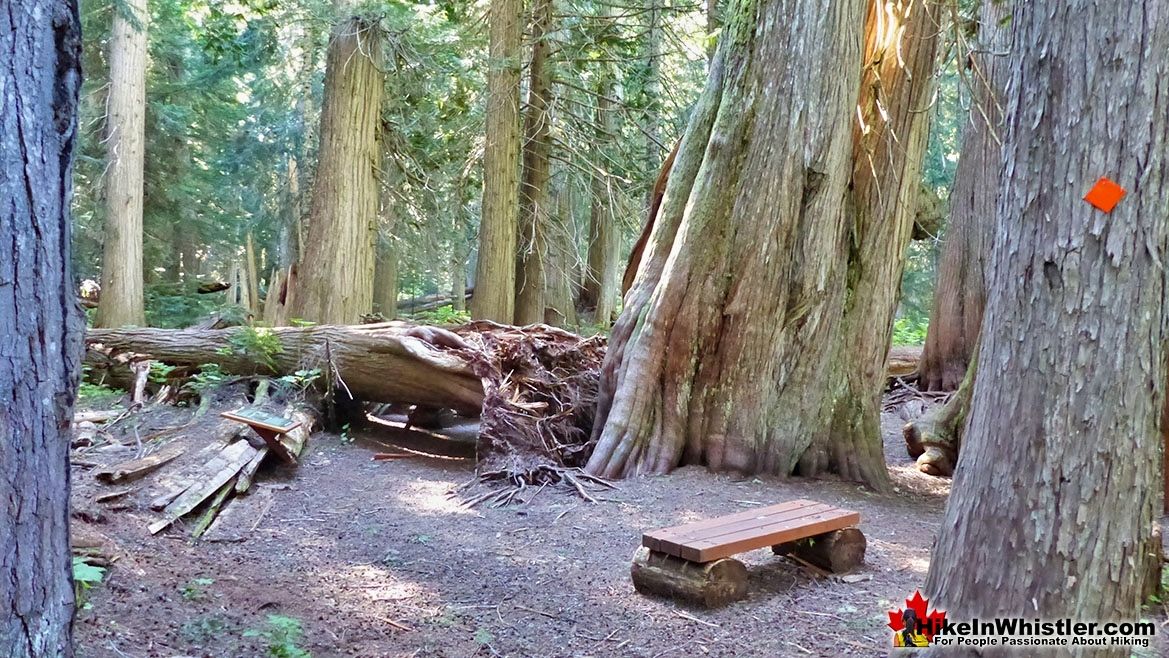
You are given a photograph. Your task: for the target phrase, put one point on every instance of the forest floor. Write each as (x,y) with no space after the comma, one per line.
(374,559)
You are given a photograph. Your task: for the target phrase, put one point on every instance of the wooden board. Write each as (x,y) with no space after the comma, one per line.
(217,472)
(725,536)
(261,418)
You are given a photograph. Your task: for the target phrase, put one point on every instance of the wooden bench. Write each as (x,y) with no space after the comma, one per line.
(693,562)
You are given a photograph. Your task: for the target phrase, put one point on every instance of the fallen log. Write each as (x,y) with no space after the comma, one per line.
(389,362)
(134,469)
(217,473)
(839,551)
(902,361)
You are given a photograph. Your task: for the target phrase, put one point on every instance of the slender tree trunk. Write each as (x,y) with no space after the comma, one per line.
(713,23)
(41,324)
(600,280)
(121,277)
(701,367)
(459,278)
(1056,492)
(653,86)
(559,307)
(960,291)
(534,197)
(888,147)
(385,285)
(495,270)
(335,283)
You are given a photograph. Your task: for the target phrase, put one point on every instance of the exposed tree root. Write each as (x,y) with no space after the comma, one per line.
(935,439)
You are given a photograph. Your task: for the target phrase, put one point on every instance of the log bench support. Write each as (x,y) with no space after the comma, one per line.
(692,563)
(708,584)
(839,551)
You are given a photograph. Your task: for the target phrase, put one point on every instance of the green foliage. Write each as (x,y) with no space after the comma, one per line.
(209,377)
(203,629)
(160,372)
(281,635)
(299,381)
(443,315)
(97,395)
(909,331)
(259,344)
(85,577)
(196,588)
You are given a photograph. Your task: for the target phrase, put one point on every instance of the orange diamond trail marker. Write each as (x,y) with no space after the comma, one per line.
(1105,194)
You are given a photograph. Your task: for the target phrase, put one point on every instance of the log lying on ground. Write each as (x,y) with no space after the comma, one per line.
(707,584)
(902,361)
(389,362)
(839,551)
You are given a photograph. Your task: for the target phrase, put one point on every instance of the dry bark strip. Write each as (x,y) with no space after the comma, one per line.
(219,471)
(132,470)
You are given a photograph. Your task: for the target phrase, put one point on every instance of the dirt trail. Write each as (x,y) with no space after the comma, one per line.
(357,550)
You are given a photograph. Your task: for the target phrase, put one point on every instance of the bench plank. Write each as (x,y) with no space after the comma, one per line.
(712,539)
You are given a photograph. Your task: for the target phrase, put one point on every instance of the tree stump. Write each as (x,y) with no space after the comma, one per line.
(708,584)
(839,551)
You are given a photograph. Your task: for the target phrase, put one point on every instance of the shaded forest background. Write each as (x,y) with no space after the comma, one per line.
(232,114)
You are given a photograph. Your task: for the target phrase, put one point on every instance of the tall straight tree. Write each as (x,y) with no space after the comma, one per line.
(703,367)
(121,275)
(495,273)
(40,43)
(960,291)
(531,278)
(1054,498)
(889,143)
(599,289)
(335,284)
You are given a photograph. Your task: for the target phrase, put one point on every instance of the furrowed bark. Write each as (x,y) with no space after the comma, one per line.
(40,323)
(1056,493)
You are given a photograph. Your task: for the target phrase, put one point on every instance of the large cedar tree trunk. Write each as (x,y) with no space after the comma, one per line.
(41,325)
(1055,495)
(534,196)
(702,367)
(888,147)
(960,291)
(495,274)
(121,274)
(336,274)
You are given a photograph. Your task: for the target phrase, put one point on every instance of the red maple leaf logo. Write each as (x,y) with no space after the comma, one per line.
(931,621)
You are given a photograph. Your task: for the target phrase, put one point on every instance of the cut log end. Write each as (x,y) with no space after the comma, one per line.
(839,551)
(707,584)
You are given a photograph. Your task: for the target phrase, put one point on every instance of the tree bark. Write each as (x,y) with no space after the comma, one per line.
(531,278)
(888,147)
(335,280)
(40,321)
(960,291)
(1056,494)
(495,277)
(387,362)
(702,368)
(600,280)
(385,285)
(121,276)
(559,305)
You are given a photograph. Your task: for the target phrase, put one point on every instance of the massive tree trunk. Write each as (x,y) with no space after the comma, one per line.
(335,282)
(600,279)
(1055,494)
(534,197)
(387,362)
(888,147)
(703,367)
(495,270)
(960,291)
(121,274)
(41,324)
